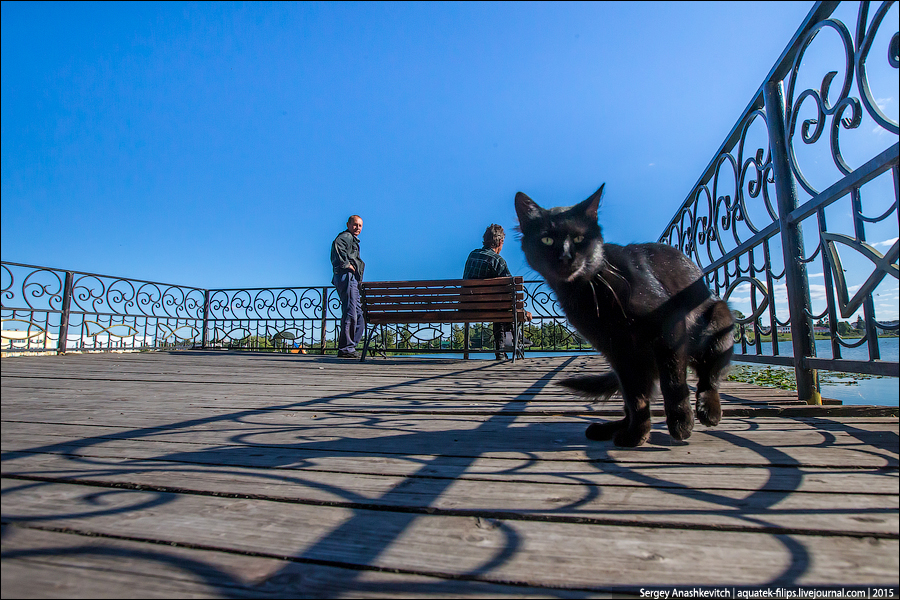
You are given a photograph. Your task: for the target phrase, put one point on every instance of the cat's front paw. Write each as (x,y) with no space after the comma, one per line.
(680,423)
(709,408)
(603,432)
(682,430)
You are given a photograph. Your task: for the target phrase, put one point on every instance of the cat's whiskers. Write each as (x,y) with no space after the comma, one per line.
(612,291)
(615,271)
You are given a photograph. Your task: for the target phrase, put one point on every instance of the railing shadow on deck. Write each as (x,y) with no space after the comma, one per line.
(762,215)
(380,522)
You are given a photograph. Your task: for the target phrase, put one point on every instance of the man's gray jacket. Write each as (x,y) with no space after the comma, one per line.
(345,252)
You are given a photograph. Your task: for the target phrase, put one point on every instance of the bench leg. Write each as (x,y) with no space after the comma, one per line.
(366,344)
(520,347)
(466,341)
(515,336)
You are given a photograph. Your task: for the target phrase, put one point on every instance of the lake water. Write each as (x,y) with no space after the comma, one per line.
(848,388)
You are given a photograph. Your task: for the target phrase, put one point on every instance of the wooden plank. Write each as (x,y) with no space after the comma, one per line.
(80,452)
(49,564)
(544,553)
(493,376)
(368,376)
(629,501)
(510,438)
(307,393)
(387,398)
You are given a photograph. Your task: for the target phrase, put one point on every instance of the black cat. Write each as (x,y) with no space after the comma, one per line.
(644,306)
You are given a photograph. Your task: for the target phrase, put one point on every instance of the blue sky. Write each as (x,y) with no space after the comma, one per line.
(224,145)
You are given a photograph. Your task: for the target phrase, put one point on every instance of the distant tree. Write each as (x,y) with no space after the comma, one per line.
(403,337)
(457,336)
(386,338)
(844,328)
(533,333)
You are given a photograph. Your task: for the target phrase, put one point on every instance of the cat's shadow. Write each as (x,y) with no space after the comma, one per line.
(659,441)
(662,438)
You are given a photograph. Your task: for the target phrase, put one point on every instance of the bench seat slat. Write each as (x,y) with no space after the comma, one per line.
(374,300)
(440,317)
(454,292)
(437,283)
(442,306)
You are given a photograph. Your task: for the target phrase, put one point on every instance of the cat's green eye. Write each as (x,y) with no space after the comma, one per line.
(578,239)
(548,241)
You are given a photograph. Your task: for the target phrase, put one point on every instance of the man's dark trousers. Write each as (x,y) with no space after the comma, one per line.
(353,326)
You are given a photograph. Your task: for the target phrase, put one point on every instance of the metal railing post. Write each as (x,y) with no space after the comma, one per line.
(204,340)
(324,316)
(799,304)
(64,317)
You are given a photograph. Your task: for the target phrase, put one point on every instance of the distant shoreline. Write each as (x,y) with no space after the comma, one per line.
(787,337)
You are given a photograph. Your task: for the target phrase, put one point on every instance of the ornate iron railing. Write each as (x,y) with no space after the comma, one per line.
(54,310)
(806,186)
(45,309)
(298,319)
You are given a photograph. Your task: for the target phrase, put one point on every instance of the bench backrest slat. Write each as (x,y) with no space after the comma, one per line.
(443,283)
(444,301)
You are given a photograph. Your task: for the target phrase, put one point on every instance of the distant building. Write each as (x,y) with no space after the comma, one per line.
(888,327)
(24,340)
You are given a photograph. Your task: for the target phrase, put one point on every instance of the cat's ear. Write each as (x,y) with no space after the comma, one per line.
(526,208)
(590,206)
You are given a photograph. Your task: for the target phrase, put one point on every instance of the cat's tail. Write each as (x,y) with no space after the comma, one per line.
(600,387)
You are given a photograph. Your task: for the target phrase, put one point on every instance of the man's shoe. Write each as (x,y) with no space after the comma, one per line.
(353,354)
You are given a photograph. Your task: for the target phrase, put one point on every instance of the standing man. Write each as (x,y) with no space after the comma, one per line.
(348,273)
(485,263)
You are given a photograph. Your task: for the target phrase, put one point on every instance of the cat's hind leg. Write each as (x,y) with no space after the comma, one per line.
(676,394)
(711,362)
(637,390)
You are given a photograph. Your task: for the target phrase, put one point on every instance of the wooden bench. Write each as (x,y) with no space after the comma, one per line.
(498,300)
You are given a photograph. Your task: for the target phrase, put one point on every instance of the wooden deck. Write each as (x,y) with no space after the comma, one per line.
(221,474)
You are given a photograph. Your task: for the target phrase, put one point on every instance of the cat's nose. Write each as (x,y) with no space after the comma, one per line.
(566,255)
